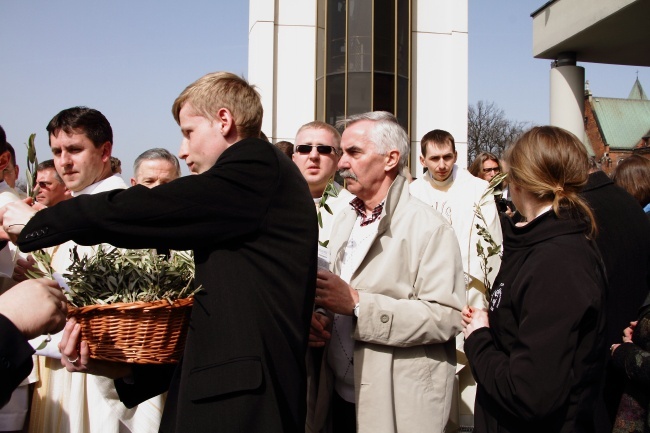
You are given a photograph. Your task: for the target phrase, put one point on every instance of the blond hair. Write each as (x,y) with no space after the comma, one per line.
(224,90)
(552,164)
(317,124)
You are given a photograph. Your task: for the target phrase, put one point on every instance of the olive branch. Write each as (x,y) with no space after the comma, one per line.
(330,191)
(32,163)
(491,248)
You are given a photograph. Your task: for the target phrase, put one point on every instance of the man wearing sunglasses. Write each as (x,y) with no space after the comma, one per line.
(49,188)
(316,153)
(456,194)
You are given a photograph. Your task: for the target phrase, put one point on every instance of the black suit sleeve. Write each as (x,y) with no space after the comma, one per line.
(15,358)
(228,201)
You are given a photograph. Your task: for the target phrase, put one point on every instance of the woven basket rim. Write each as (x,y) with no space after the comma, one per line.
(137,305)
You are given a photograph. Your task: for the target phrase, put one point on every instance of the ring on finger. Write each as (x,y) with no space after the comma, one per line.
(72,361)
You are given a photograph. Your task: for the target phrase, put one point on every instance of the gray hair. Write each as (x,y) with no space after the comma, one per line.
(156,153)
(387,134)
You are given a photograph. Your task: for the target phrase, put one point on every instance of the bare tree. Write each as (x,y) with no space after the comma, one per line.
(488,130)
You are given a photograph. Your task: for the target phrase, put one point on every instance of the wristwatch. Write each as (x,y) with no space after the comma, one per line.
(356,310)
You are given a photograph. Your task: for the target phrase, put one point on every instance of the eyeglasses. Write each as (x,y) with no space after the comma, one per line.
(494,169)
(323,149)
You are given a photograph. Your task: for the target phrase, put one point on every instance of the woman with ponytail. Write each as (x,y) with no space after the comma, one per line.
(538,353)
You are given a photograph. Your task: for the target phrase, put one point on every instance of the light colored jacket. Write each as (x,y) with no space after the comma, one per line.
(411,291)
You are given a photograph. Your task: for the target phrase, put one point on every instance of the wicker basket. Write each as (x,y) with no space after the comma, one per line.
(138,332)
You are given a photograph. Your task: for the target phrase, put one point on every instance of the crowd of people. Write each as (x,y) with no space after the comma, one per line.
(339,294)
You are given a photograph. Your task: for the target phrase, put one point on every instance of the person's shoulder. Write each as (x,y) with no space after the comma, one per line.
(419,212)
(341,203)
(466,178)
(567,254)
(420,188)
(418,183)
(8,195)
(250,155)
(250,147)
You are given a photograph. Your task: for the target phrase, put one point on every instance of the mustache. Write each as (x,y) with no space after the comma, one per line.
(348,174)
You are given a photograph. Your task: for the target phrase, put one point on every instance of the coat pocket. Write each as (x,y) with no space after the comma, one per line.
(215,380)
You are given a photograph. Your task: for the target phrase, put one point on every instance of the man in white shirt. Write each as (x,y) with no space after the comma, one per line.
(12,171)
(456,194)
(394,295)
(155,167)
(81,141)
(316,153)
(7,193)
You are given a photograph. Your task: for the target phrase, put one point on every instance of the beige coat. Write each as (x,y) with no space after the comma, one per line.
(411,291)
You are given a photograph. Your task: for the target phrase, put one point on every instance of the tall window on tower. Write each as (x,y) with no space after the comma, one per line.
(364,58)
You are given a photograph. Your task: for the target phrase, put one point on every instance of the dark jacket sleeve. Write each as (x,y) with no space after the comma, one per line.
(226,202)
(15,358)
(553,308)
(634,361)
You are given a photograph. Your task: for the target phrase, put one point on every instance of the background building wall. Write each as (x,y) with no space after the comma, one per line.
(282,63)
(439,78)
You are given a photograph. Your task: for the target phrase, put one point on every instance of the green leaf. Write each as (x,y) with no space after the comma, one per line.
(44,342)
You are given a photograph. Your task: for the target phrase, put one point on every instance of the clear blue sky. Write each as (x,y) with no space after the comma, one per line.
(130,59)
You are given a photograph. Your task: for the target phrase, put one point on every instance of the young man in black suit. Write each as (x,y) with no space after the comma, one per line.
(248,216)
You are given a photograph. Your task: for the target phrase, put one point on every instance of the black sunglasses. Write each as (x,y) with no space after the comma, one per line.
(323,149)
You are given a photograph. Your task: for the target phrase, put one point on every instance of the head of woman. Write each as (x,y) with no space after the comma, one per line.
(633,175)
(551,166)
(485,166)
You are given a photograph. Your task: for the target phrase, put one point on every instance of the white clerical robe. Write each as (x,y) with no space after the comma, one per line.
(82,403)
(456,200)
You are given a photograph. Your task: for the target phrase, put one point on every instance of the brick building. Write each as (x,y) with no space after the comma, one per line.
(618,127)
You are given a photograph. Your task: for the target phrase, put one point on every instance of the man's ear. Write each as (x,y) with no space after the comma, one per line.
(226,122)
(422,161)
(107,147)
(5,157)
(133,182)
(392,159)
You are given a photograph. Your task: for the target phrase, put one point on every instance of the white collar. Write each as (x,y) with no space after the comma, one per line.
(108,184)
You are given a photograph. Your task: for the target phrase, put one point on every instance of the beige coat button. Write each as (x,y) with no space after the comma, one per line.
(384,318)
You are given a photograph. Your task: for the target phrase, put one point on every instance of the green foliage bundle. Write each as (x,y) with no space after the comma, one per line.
(117,275)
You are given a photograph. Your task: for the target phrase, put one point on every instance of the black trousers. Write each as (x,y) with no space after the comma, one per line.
(344,417)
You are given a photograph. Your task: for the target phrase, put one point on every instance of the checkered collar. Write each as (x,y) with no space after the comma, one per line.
(360,208)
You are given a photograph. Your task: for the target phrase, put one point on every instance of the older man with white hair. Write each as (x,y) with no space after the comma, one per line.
(155,167)
(393,295)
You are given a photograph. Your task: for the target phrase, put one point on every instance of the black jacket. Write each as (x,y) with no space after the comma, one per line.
(624,242)
(15,358)
(252,225)
(539,364)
